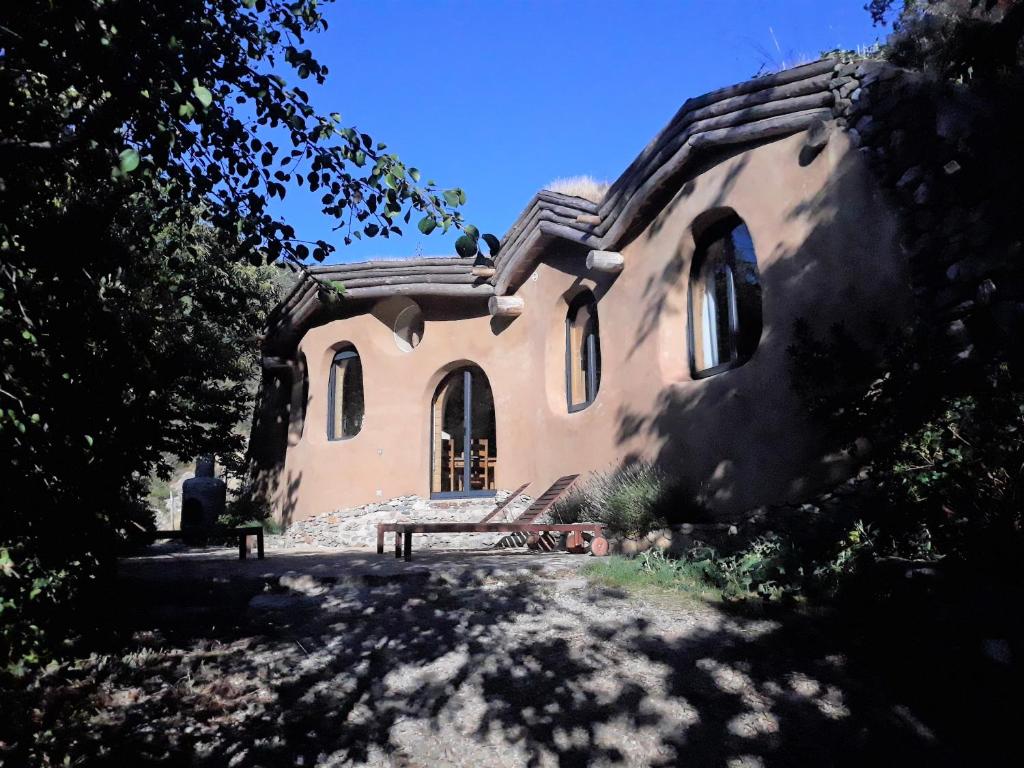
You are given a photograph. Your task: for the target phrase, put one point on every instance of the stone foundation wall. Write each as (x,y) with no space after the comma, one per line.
(357,528)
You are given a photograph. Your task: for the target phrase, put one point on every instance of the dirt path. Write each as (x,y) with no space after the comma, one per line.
(462,660)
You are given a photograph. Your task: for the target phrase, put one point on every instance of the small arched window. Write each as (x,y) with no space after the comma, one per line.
(345,396)
(725,298)
(582,352)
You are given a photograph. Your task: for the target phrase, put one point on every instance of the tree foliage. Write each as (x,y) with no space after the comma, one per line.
(958,39)
(191,94)
(141,148)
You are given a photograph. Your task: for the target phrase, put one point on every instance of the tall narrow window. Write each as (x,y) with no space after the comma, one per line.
(345,396)
(582,352)
(725,298)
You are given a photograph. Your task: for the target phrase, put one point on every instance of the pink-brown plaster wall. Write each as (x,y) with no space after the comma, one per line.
(825,241)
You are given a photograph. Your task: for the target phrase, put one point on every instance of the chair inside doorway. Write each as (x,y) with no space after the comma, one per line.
(464,451)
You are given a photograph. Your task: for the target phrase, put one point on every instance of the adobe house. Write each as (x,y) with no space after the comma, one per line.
(652,324)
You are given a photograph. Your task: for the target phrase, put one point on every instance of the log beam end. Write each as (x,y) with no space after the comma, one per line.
(505,306)
(605,261)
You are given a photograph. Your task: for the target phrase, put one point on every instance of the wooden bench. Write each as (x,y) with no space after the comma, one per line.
(213,533)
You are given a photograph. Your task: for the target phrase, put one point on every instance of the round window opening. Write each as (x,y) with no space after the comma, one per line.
(408,328)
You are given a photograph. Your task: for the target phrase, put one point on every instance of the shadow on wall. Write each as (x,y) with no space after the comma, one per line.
(427,668)
(277,423)
(742,437)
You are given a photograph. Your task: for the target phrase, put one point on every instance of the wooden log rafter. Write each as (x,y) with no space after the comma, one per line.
(759,109)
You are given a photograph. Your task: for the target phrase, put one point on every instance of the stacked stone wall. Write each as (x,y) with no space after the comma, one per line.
(356,528)
(948,156)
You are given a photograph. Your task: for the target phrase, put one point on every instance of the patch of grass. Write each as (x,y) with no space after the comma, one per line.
(651,572)
(757,572)
(586,187)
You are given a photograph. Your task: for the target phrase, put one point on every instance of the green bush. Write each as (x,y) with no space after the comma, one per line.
(628,501)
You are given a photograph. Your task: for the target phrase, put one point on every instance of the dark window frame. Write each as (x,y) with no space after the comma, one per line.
(593,349)
(349,353)
(720,229)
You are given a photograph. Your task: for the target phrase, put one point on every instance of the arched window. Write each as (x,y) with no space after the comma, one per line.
(345,396)
(725,298)
(582,352)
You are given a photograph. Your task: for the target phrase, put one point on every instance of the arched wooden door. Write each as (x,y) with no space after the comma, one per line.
(464,445)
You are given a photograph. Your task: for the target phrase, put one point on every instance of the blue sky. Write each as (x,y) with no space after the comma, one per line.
(500,98)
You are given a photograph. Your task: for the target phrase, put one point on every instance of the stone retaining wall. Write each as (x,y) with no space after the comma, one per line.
(357,528)
(947,154)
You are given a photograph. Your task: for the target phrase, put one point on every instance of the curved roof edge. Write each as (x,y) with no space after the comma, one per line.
(760,109)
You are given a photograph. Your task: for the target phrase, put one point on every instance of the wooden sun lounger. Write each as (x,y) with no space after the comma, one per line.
(525,523)
(383,528)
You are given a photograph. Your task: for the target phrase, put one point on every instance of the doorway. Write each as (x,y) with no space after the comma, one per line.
(464,445)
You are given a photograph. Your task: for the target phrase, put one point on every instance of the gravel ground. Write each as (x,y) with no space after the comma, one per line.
(484,659)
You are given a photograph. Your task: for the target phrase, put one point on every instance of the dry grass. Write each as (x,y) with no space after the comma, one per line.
(586,187)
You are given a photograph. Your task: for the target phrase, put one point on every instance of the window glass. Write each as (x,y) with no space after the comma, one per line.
(725,298)
(345,396)
(583,352)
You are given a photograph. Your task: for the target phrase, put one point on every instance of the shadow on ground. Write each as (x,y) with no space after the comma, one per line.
(502,660)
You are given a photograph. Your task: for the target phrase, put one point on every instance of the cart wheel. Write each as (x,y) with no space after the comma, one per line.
(574,543)
(599,546)
(533,541)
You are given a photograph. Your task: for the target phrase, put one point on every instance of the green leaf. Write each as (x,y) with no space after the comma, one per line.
(493,244)
(472,231)
(203,94)
(186,110)
(128,161)
(452,197)
(466,247)
(339,287)
(427,225)
(88,440)
(414,174)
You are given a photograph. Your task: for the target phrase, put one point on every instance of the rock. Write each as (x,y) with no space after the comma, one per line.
(302,583)
(285,602)
(998,650)
(631,547)
(865,126)
(951,167)
(910,178)
(922,194)
(818,133)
